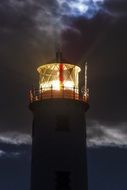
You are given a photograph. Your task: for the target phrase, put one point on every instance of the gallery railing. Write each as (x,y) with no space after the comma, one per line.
(63,92)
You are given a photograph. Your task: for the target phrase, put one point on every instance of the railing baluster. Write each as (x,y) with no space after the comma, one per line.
(63,91)
(74,92)
(34,96)
(51,91)
(41,93)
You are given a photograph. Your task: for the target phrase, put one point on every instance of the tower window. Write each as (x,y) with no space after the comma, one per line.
(62,180)
(62,123)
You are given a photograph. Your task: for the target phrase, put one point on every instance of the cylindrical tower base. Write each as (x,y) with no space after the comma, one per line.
(59,145)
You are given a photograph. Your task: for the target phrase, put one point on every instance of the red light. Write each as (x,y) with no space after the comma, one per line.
(61,74)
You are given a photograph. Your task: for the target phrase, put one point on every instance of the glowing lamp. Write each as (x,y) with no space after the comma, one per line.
(59,76)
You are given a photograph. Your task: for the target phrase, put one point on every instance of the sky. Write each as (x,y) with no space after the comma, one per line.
(88,30)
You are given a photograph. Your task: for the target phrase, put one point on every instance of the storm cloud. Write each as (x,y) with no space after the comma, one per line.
(29,33)
(50,18)
(30,25)
(15,138)
(98,135)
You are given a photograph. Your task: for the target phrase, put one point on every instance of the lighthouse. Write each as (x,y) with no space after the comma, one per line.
(59,128)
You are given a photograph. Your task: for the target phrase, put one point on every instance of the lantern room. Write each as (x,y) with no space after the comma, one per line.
(58,76)
(58,79)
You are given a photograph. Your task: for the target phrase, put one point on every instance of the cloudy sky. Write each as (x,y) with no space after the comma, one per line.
(92,30)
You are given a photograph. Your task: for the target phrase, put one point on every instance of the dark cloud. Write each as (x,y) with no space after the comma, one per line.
(108,71)
(99,135)
(116,8)
(15,138)
(28,32)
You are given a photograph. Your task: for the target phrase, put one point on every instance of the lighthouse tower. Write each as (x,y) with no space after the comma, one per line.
(59,128)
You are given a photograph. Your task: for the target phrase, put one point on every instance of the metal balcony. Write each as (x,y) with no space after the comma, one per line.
(50,93)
